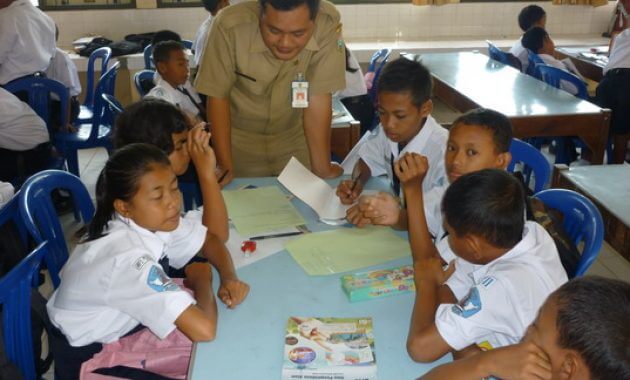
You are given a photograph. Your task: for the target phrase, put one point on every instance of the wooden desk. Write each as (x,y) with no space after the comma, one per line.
(608,186)
(591,68)
(250,339)
(345,130)
(469,80)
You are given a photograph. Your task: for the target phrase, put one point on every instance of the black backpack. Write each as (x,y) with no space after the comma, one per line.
(96,43)
(124,47)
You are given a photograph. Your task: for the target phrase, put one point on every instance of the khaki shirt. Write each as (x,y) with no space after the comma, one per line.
(266,131)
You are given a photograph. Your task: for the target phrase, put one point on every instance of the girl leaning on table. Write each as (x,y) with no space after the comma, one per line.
(114,293)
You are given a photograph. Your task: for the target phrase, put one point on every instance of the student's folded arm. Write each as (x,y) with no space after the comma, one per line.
(317,129)
(472,368)
(196,325)
(215,212)
(420,239)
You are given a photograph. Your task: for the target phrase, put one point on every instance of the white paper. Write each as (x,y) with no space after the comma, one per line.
(264,247)
(312,190)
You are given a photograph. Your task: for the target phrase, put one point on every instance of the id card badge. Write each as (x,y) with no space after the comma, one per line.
(299,92)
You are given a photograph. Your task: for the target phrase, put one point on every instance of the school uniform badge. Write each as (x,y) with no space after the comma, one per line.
(159,281)
(470,305)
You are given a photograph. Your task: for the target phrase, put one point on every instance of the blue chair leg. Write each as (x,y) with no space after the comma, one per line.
(72,157)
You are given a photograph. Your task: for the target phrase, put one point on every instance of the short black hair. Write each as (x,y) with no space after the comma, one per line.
(287,5)
(529,16)
(496,122)
(210,5)
(404,75)
(534,39)
(151,121)
(165,35)
(162,50)
(593,319)
(488,203)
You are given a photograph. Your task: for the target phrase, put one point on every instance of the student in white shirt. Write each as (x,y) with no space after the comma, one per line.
(530,16)
(27,40)
(115,281)
(24,139)
(538,41)
(613,91)
(63,70)
(501,268)
(354,97)
(404,97)
(172,65)
(213,7)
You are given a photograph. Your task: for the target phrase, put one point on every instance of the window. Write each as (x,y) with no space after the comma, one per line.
(60,5)
(178,3)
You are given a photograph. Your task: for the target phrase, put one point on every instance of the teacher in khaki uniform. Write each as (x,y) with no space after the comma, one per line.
(256,53)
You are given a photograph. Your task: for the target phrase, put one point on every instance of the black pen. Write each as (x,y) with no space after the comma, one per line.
(245,76)
(284,234)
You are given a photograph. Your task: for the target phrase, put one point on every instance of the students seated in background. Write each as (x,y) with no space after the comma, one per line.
(478,139)
(213,7)
(614,88)
(160,123)
(63,70)
(114,281)
(354,96)
(530,16)
(581,332)
(404,107)
(27,40)
(172,64)
(501,268)
(24,141)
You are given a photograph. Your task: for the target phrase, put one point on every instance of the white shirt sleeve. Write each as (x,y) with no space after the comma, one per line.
(444,249)
(140,288)
(487,309)
(376,154)
(185,241)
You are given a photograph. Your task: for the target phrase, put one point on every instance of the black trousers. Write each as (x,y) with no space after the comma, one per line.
(17,166)
(614,92)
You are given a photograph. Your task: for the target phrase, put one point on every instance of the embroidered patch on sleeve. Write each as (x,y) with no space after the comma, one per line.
(140,262)
(469,306)
(159,281)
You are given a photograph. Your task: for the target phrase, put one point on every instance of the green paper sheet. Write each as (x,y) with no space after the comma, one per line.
(346,249)
(264,209)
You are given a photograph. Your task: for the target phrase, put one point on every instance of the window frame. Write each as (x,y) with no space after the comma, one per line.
(44,6)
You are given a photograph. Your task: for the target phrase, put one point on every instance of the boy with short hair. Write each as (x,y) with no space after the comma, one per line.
(172,64)
(538,41)
(581,332)
(531,15)
(404,106)
(503,270)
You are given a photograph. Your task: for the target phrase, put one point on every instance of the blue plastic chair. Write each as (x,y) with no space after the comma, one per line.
(532,67)
(148,52)
(15,298)
(532,160)
(553,75)
(95,134)
(143,80)
(378,60)
(114,109)
(506,58)
(582,222)
(40,218)
(10,212)
(86,111)
(38,90)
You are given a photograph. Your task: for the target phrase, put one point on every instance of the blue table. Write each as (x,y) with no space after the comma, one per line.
(250,339)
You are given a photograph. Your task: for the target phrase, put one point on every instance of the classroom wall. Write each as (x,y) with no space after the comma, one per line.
(363,22)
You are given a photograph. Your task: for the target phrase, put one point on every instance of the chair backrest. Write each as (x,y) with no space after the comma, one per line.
(40,218)
(532,160)
(114,108)
(582,222)
(553,76)
(104,54)
(533,61)
(506,58)
(143,80)
(10,212)
(15,298)
(106,85)
(379,59)
(39,90)
(148,52)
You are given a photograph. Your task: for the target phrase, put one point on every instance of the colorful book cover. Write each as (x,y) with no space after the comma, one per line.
(329,349)
(378,283)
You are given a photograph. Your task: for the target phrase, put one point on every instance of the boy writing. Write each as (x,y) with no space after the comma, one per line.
(172,65)
(404,106)
(581,332)
(503,269)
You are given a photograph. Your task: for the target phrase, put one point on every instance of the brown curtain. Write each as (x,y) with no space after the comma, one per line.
(436,2)
(595,3)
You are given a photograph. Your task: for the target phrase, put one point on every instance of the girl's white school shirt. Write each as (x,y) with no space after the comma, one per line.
(112,284)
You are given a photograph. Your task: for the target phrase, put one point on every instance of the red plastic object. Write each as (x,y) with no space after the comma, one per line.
(248,246)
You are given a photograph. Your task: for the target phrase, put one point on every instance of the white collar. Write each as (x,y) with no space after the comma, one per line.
(419,141)
(155,242)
